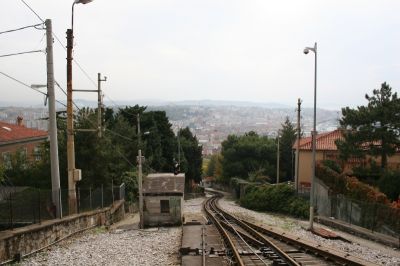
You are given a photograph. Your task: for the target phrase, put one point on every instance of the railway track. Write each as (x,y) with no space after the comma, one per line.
(249,244)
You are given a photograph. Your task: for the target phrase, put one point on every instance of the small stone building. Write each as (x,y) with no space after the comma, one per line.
(163,199)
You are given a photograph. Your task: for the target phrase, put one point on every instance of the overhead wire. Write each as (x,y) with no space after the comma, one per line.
(26,85)
(79,66)
(62,45)
(32,10)
(22,28)
(21,53)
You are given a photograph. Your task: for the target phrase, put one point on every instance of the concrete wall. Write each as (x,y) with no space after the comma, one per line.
(152,210)
(27,239)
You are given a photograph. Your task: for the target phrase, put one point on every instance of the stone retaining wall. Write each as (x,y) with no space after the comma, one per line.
(24,240)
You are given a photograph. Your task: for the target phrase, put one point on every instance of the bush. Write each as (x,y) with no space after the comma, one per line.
(280,198)
(332,165)
(349,186)
(390,184)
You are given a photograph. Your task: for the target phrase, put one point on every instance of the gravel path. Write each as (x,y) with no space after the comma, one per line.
(123,244)
(362,248)
(157,246)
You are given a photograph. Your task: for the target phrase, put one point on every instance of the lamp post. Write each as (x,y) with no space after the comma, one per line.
(277,161)
(73,174)
(313,134)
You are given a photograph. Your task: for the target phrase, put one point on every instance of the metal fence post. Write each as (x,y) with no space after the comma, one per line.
(112,190)
(79,200)
(373,218)
(33,211)
(90,198)
(40,216)
(60,202)
(351,210)
(11,212)
(102,196)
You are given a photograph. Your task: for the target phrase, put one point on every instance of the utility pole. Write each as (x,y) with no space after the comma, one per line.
(277,162)
(72,204)
(99,105)
(140,174)
(179,148)
(55,170)
(296,175)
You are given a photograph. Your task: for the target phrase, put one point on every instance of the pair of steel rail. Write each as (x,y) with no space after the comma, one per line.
(259,239)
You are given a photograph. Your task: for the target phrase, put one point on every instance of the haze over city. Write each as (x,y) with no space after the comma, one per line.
(218,50)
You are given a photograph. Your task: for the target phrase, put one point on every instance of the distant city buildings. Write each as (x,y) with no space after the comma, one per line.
(213,124)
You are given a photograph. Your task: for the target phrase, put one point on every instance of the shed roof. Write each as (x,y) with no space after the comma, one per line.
(13,133)
(164,183)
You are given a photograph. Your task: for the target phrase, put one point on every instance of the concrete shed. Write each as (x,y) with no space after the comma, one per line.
(163,199)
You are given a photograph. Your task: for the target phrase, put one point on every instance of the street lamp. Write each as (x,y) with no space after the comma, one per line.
(277,161)
(74,175)
(314,135)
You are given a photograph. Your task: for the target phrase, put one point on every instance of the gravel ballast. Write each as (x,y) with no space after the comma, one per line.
(128,246)
(362,248)
(158,246)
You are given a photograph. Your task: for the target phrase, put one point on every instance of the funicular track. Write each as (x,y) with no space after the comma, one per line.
(250,244)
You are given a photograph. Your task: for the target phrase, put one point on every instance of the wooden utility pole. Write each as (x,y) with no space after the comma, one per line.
(72,204)
(296,175)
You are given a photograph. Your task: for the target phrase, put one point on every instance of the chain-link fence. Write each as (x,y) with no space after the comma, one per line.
(21,206)
(373,216)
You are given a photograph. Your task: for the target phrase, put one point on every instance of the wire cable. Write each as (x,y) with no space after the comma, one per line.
(22,28)
(65,49)
(21,53)
(33,11)
(26,85)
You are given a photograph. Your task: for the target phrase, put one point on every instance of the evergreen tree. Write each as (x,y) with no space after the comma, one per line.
(247,155)
(373,129)
(191,153)
(287,138)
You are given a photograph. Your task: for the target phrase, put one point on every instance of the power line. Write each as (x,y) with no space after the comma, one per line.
(32,10)
(21,53)
(65,49)
(26,85)
(22,28)
(79,66)
(22,83)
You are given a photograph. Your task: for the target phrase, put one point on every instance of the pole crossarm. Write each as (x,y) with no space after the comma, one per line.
(86,90)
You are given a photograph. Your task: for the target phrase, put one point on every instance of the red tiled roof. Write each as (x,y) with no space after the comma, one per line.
(325,141)
(11,133)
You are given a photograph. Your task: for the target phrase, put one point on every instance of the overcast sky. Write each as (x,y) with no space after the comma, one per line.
(209,49)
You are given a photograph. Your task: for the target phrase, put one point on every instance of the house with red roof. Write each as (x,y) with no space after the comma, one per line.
(17,137)
(326,150)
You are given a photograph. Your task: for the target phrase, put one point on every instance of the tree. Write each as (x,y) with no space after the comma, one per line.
(287,139)
(191,151)
(373,129)
(160,144)
(210,170)
(248,154)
